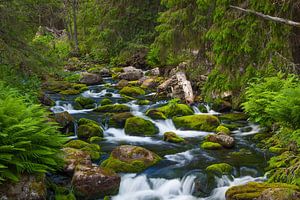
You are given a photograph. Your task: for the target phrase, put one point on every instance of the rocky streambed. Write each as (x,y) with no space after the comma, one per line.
(128,143)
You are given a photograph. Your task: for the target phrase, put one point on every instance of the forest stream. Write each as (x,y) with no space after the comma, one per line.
(181,174)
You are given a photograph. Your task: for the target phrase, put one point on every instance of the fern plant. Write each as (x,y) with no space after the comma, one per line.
(28,143)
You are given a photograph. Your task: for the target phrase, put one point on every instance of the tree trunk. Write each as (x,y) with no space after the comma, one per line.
(295,37)
(74,2)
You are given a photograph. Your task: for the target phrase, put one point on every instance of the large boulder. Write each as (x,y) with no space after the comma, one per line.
(131,74)
(140,127)
(178,87)
(90,79)
(253,190)
(28,187)
(127,158)
(88,128)
(66,122)
(223,139)
(118,120)
(116,108)
(93,182)
(197,122)
(74,157)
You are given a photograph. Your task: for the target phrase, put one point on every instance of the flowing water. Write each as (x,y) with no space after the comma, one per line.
(181,174)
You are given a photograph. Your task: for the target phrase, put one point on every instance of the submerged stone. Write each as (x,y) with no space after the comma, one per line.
(127,158)
(140,127)
(197,122)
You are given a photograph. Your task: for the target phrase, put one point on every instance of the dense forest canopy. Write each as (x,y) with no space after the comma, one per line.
(237,56)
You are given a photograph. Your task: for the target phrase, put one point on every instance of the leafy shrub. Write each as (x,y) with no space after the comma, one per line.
(28,143)
(273,99)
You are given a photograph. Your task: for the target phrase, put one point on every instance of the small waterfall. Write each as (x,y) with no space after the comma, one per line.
(142,188)
(63,106)
(102,93)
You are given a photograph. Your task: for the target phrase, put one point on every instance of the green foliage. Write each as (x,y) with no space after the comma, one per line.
(28,143)
(273,99)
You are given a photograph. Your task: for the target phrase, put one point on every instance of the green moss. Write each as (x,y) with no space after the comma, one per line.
(202,108)
(143,102)
(80,87)
(253,190)
(88,128)
(233,117)
(175,109)
(132,91)
(132,164)
(116,108)
(105,101)
(277,150)
(220,169)
(197,122)
(211,145)
(118,119)
(140,126)
(95,139)
(69,92)
(83,102)
(69,196)
(172,137)
(155,114)
(92,149)
(223,129)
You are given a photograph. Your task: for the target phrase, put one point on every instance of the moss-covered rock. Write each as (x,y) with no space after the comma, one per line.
(279,194)
(69,92)
(223,139)
(79,86)
(253,190)
(172,137)
(88,128)
(95,139)
(105,101)
(175,109)
(140,127)
(66,122)
(155,114)
(233,117)
(132,91)
(197,122)
(127,158)
(116,108)
(118,120)
(223,129)
(211,145)
(74,157)
(122,83)
(143,102)
(84,103)
(220,169)
(92,149)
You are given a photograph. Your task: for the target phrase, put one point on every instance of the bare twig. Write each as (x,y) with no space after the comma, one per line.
(268,17)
